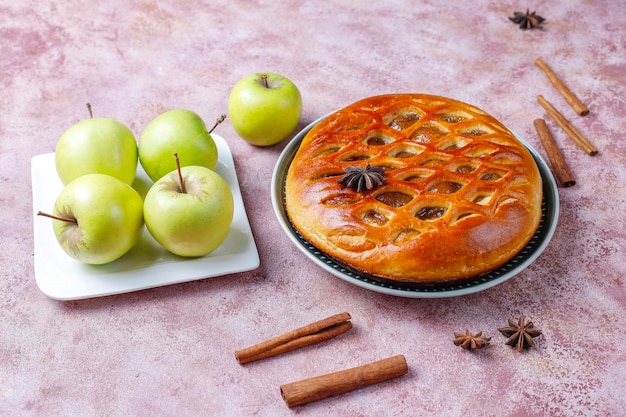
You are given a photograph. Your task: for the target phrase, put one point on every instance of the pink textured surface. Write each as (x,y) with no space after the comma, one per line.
(170,350)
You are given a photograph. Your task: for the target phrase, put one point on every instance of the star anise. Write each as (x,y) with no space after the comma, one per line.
(360,179)
(520,333)
(470,342)
(528,20)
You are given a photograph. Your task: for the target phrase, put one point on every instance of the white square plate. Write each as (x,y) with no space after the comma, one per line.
(148,264)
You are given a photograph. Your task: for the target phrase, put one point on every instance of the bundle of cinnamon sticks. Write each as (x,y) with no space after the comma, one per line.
(323,386)
(559,165)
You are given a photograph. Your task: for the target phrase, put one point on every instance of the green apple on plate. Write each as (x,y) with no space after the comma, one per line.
(176,131)
(189,211)
(96,146)
(97,218)
(264,108)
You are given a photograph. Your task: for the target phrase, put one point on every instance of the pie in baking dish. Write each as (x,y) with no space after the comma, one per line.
(414,188)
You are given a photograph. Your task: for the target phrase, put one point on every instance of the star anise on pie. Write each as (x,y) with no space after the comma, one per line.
(520,333)
(527,20)
(360,179)
(470,342)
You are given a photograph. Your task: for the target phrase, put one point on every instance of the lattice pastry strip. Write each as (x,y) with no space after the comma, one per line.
(461,194)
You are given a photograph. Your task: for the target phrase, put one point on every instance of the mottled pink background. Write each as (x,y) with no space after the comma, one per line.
(169,351)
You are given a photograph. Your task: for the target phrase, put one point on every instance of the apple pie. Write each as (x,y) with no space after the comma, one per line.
(414,189)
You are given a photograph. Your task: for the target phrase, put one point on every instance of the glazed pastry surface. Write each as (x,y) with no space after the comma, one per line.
(461,195)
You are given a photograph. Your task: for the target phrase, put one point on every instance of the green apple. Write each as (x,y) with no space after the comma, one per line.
(97,146)
(97,218)
(264,108)
(189,211)
(176,131)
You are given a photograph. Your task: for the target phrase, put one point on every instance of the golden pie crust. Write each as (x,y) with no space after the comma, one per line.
(461,197)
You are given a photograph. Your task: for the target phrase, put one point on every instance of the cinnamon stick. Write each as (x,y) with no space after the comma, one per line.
(560,167)
(567,94)
(324,386)
(571,131)
(307,335)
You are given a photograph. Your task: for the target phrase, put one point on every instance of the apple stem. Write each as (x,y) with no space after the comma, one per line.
(90,112)
(63,219)
(217,122)
(264,79)
(180,175)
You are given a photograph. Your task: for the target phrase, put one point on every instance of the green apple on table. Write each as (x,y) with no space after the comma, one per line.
(176,131)
(97,218)
(96,146)
(189,211)
(264,108)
